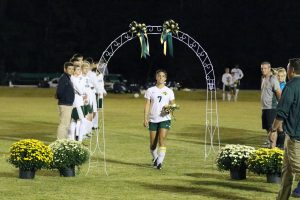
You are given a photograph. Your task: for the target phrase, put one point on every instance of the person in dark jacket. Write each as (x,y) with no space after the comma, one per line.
(287,113)
(65,95)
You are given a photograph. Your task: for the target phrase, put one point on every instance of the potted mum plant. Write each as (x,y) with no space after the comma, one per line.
(267,161)
(234,159)
(30,155)
(67,154)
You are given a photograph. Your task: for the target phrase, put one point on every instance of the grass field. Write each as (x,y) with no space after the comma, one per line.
(32,113)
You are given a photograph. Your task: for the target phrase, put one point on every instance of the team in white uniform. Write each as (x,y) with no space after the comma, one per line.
(86,85)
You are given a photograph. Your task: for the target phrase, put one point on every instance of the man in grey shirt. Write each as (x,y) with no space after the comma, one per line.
(270,94)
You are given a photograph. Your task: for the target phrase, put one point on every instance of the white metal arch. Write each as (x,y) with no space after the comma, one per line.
(212,118)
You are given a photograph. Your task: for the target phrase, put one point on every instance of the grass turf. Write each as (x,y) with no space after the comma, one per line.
(32,113)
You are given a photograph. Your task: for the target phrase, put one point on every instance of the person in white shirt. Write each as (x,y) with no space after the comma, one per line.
(227,82)
(100,93)
(233,86)
(88,110)
(158,121)
(91,74)
(77,112)
(238,75)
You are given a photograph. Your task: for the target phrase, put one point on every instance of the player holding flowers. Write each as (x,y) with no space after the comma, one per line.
(156,118)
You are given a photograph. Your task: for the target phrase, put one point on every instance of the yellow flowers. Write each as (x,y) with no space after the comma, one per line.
(266,161)
(30,154)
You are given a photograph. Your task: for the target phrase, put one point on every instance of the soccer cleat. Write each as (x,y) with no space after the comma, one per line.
(159,166)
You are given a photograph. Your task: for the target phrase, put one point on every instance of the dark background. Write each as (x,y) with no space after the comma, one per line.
(39,36)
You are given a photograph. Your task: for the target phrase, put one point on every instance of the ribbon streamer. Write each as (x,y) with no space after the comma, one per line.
(144,45)
(140,30)
(166,40)
(169,27)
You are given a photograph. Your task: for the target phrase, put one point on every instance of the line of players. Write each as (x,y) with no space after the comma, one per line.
(89,90)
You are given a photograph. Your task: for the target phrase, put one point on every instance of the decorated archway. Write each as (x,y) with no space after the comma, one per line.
(211,116)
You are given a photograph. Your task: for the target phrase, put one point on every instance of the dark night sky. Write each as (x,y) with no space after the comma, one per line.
(39,36)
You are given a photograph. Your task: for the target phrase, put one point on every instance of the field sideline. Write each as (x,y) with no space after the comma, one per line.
(32,113)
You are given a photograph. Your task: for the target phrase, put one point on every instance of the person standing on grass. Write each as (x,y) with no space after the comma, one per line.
(237,75)
(100,93)
(155,119)
(226,80)
(65,95)
(76,126)
(88,109)
(287,114)
(270,94)
(233,85)
(91,74)
(277,138)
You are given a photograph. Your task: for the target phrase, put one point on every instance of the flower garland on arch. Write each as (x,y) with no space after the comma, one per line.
(169,27)
(140,30)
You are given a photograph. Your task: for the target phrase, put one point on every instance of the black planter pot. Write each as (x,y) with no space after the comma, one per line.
(67,172)
(238,173)
(26,174)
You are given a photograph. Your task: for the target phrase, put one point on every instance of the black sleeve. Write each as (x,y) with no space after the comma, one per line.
(285,103)
(60,87)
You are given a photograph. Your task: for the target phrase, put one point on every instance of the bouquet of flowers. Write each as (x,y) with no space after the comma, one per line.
(233,156)
(266,161)
(68,153)
(170,108)
(30,154)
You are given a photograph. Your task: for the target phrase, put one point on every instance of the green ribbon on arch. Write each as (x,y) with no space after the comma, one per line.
(140,30)
(169,27)
(144,45)
(166,40)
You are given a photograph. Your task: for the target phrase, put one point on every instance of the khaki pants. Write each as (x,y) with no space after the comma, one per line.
(291,165)
(64,121)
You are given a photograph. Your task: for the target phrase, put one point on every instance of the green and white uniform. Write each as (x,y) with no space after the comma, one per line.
(77,113)
(90,94)
(93,88)
(100,91)
(159,97)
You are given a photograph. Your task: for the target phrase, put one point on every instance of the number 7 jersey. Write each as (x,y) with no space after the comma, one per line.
(159,97)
